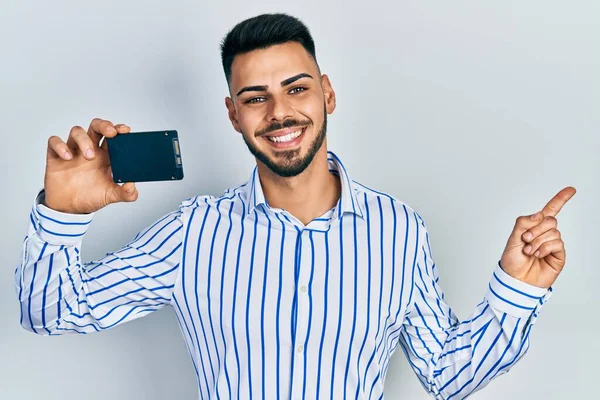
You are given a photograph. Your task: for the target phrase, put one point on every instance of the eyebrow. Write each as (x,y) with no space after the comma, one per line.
(285,82)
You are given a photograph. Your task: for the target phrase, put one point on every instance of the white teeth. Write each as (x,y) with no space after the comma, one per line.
(285,138)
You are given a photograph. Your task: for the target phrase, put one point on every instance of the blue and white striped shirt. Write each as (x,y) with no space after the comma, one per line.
(270,307)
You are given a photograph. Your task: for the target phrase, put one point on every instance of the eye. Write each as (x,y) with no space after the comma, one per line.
(254,100)
(297,89)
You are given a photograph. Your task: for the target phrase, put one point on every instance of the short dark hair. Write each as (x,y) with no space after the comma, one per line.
(261,32)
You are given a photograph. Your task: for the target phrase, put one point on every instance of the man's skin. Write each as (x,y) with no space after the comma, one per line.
(262,102)
(311,193)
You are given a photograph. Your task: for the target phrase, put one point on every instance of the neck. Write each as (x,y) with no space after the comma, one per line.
(306,196)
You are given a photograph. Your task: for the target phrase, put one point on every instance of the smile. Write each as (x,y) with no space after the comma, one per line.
(288,137)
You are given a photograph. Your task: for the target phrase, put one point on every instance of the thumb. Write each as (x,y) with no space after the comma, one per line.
(123,193)
(523,224)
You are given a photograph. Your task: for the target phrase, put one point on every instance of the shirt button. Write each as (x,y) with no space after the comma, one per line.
(303,288)
(300,348)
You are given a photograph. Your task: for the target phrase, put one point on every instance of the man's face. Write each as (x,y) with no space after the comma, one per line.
(279,103)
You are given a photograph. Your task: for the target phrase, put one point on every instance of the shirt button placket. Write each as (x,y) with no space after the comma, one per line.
(302,314)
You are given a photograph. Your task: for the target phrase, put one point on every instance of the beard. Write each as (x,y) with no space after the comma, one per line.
(289,163)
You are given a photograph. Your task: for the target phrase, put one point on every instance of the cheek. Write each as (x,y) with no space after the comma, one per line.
(249,121)
(311,108)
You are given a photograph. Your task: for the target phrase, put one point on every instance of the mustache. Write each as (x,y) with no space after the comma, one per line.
(288,123)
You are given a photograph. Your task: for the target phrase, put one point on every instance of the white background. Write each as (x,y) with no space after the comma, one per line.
(472,113)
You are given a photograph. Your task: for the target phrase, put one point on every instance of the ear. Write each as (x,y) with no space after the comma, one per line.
(232,114)
(328,93)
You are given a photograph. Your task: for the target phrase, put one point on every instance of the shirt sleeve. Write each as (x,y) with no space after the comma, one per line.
(59,293)
(453,358)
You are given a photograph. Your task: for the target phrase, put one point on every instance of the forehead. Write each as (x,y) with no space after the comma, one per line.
(271,65)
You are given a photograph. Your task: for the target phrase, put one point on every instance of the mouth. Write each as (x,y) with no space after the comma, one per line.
(286,138)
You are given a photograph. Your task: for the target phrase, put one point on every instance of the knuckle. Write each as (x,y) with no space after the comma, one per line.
(520,220)
(97,120)
(76,130)
(557,233)
(78,133)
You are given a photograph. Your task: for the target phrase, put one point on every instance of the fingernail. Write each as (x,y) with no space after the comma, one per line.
(528,236)
(527,249)
(68,155)
(110,129)
(130,190)
(537,253)
(89,153)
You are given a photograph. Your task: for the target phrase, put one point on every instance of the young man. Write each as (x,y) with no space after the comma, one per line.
(300,283)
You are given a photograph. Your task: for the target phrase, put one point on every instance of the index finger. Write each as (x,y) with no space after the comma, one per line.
(99,128)
(121,129)
(556,204)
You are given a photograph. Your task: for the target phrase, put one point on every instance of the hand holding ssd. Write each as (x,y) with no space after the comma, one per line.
(145,156)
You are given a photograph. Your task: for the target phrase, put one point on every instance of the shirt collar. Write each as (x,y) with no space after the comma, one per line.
(348,202)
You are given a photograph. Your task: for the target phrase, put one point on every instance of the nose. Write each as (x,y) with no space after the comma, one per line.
(280,109)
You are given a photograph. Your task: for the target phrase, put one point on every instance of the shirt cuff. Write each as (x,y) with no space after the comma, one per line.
(513,296)
(56,227)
